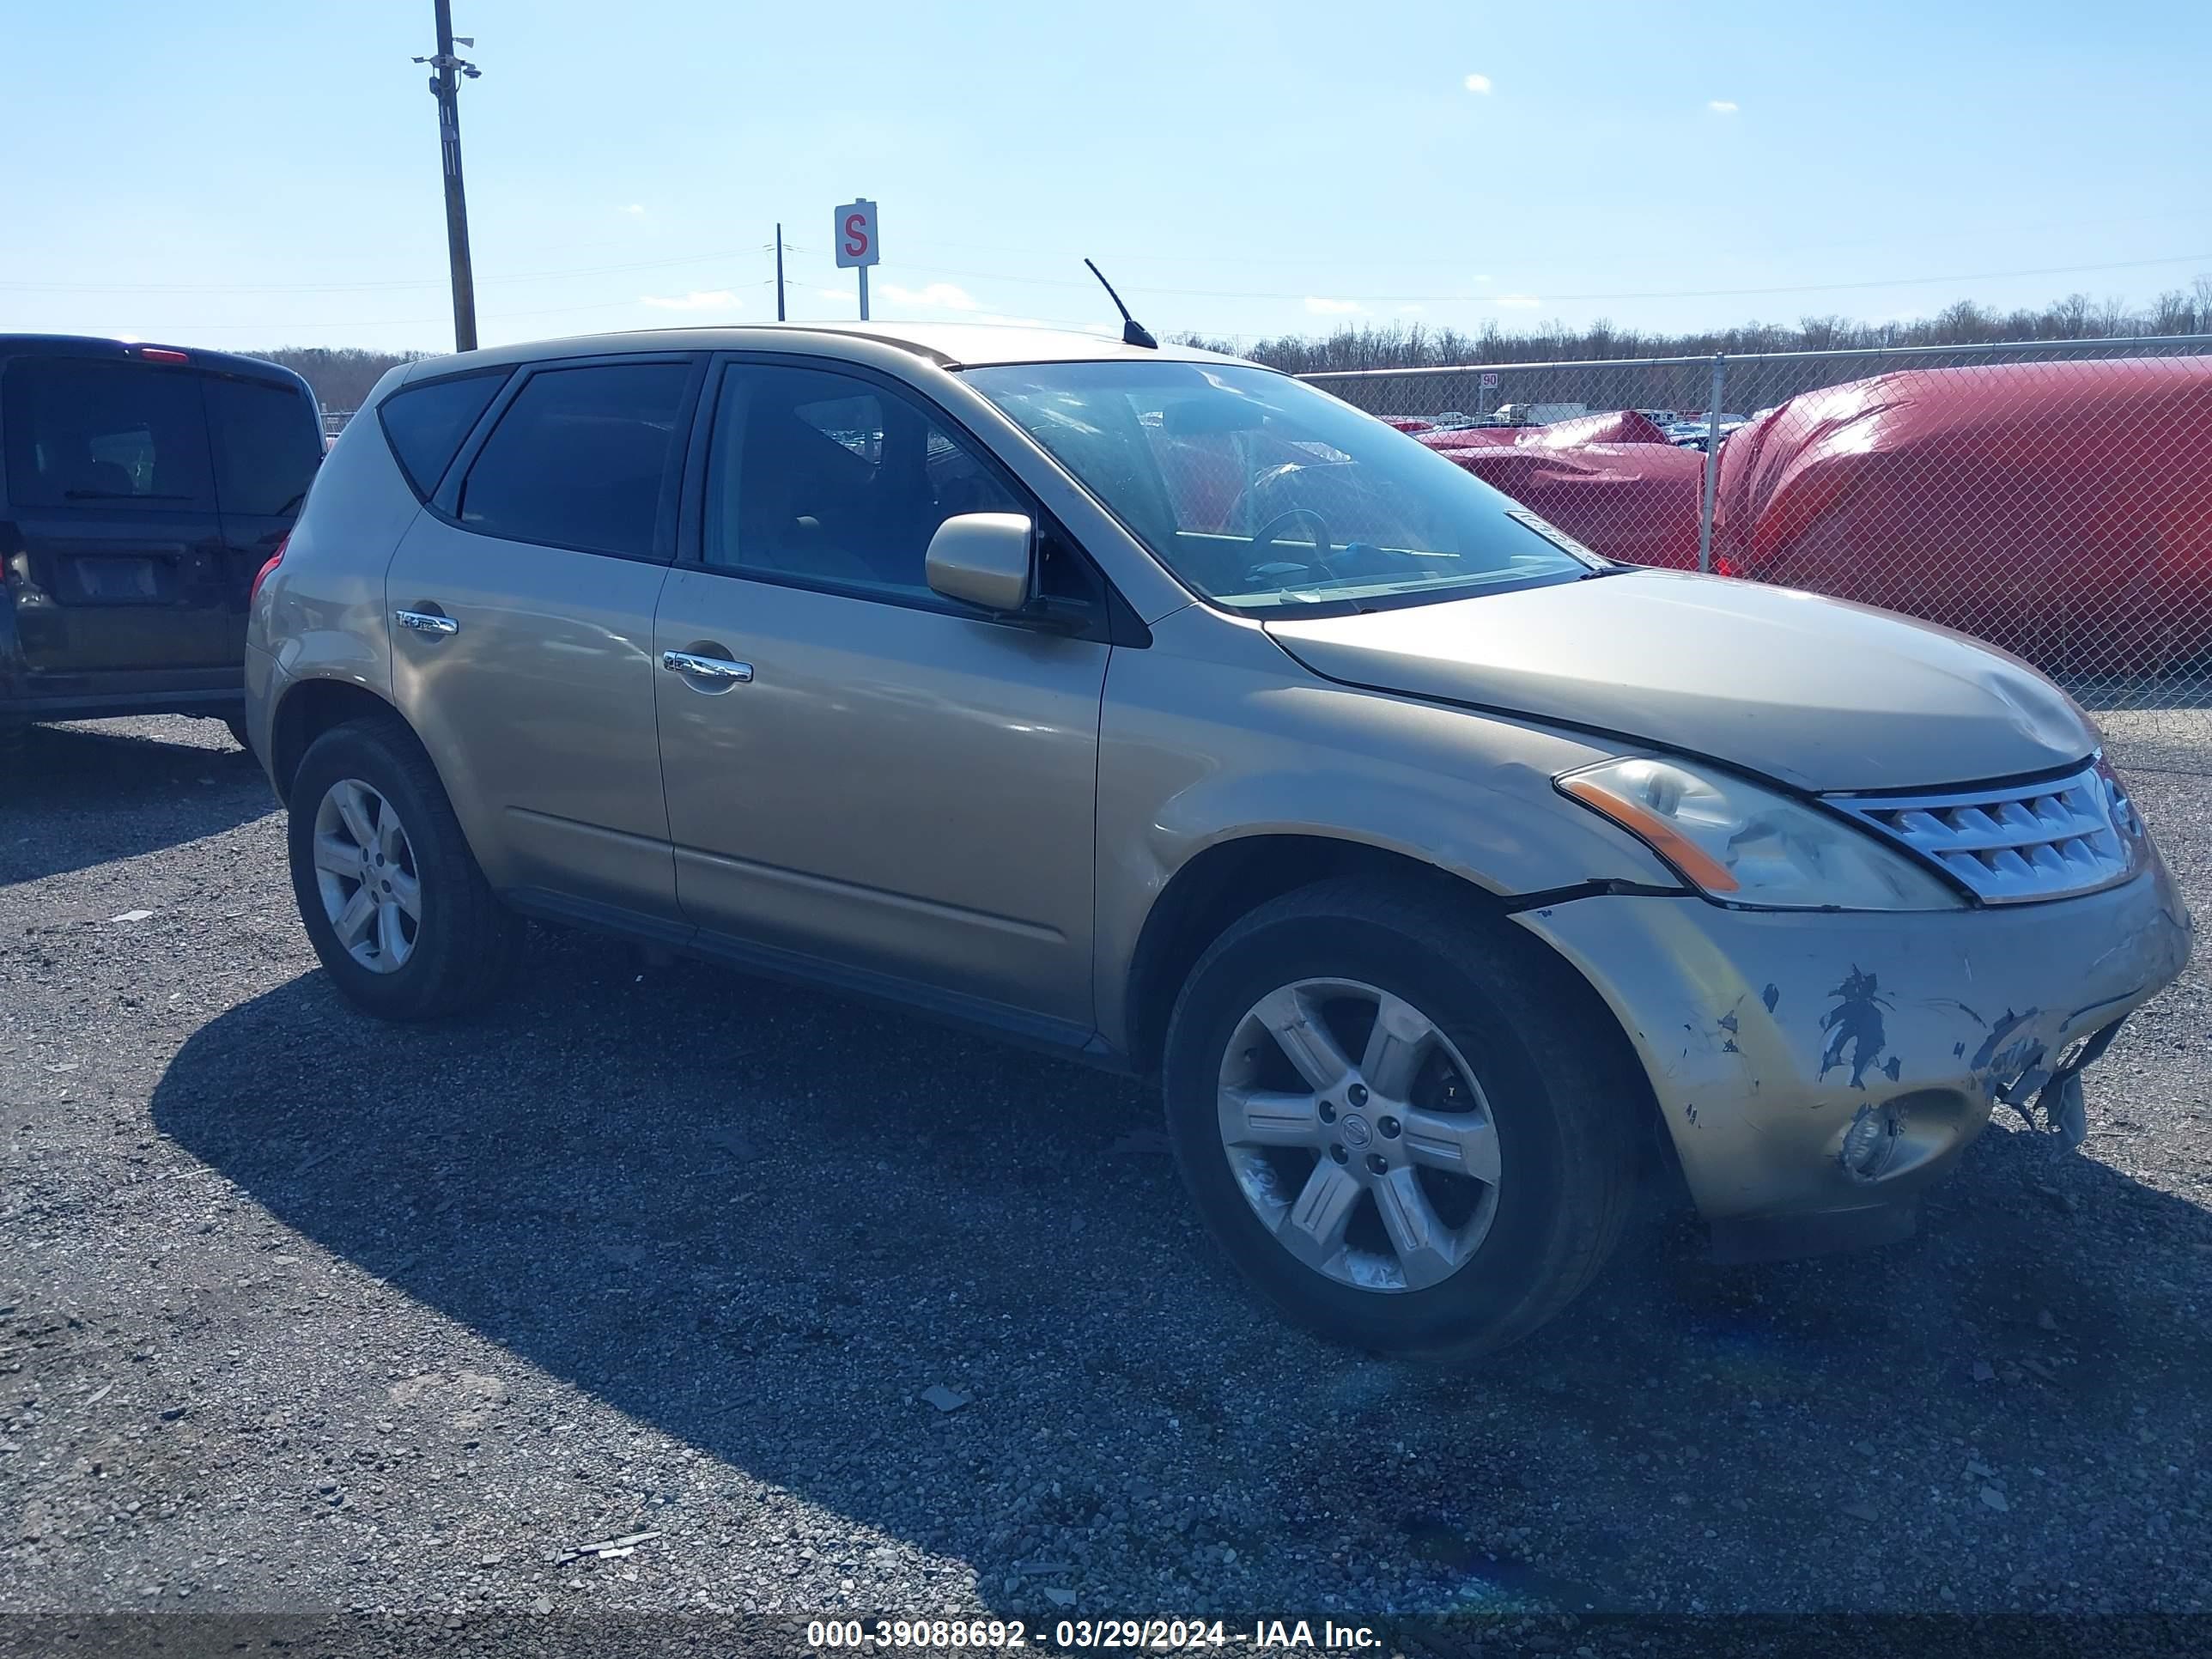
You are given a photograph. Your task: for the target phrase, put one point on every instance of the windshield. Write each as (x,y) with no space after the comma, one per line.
(1268,496)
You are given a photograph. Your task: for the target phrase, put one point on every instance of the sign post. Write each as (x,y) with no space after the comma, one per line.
(857,245)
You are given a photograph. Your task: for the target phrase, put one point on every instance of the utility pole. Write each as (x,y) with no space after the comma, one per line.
(445,85)
(779,273)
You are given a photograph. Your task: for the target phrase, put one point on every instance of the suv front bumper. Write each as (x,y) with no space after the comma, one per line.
(1816,1071)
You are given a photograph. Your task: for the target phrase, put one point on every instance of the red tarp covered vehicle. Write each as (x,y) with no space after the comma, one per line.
(1611,481)
(2062,511)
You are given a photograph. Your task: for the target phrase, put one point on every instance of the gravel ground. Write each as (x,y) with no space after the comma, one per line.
(299,1311)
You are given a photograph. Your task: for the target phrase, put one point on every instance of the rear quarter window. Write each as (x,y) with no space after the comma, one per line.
(87,434)
(425,425)
(579,458)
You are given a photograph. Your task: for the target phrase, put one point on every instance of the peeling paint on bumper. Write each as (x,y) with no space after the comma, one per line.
(1768,1036)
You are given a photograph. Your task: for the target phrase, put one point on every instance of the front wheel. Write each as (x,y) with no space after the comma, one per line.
(392,899)
(1399,1119)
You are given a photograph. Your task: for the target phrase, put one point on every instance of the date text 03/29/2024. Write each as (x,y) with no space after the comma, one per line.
(1081,1635)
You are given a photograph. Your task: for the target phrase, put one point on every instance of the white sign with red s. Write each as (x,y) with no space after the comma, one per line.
(855,235)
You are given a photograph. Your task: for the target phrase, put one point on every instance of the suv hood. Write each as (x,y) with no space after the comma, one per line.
(1816,692)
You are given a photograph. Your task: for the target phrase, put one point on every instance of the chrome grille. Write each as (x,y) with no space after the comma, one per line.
(2041,841)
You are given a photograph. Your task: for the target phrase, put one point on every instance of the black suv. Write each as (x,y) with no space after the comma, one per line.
(142,488)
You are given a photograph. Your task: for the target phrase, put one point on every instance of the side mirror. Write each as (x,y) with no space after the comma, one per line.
(983,559)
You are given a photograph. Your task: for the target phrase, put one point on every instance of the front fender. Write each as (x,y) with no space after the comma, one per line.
(1231,739)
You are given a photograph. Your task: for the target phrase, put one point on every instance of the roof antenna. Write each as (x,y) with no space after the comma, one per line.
(1133,331)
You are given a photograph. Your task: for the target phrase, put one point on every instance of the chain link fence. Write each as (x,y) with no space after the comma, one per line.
(2054,498)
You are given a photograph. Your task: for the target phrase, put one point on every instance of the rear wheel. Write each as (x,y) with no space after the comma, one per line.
(1397,1120)
(392,899)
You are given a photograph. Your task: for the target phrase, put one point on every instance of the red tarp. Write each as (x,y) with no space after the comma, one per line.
(1613,426)
(2062,511)
(1634,501)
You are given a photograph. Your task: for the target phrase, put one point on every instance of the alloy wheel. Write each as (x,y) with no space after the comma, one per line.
(1381,1172)
(365,871)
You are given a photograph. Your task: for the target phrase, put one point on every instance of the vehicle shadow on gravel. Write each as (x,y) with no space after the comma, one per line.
(81,795)
(768,1223)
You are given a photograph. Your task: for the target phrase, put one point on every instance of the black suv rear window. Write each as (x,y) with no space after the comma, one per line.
(79,433)
(268,443)
(579,458)
(425,424)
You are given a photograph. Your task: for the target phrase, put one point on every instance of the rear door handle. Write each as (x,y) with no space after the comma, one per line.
(719,670)
(427,622)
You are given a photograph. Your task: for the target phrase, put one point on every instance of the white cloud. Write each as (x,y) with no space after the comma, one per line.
(937,296)
(713,299)
(635,209)
(1320,307)
(1478,84)
(1410,311)
(1485,277)
(1519,301)
(1721,107)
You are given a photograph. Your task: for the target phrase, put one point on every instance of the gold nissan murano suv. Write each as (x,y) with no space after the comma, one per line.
(1152,708)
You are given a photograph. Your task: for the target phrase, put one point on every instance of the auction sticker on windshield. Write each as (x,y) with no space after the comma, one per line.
(1552,533)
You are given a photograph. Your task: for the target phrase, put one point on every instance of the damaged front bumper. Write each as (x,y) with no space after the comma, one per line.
(1816,1071)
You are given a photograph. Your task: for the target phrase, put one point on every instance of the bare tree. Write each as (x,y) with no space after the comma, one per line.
(1397,345)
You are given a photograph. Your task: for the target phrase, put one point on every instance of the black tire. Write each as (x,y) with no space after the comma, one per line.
(467,942)
(1563,1089)
(235,725)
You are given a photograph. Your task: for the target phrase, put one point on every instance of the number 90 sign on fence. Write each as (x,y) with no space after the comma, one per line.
(855,238)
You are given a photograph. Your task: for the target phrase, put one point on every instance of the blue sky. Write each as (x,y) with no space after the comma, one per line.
(258,175)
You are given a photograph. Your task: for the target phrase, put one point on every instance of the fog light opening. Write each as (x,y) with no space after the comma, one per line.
(1870,1144)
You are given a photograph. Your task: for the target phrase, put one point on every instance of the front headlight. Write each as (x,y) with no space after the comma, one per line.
(1742,844)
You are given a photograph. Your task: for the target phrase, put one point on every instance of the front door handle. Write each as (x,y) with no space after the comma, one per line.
(719,670)
(427,622)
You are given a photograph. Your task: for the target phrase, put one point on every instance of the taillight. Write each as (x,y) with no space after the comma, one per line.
(162,355)
(262,575)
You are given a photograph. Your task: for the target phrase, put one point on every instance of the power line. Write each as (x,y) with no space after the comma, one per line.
(266,326)
(366,287)
(1653,293)
(1054,281)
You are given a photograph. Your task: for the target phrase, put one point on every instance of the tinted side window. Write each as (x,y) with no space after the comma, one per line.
(579,457)
(826,478)
(425,424)
(80,432)
(268,443)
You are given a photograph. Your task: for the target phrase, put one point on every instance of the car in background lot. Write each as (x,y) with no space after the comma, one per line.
(1695,431)
(1537,414)
(1159,710)
(141,487)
